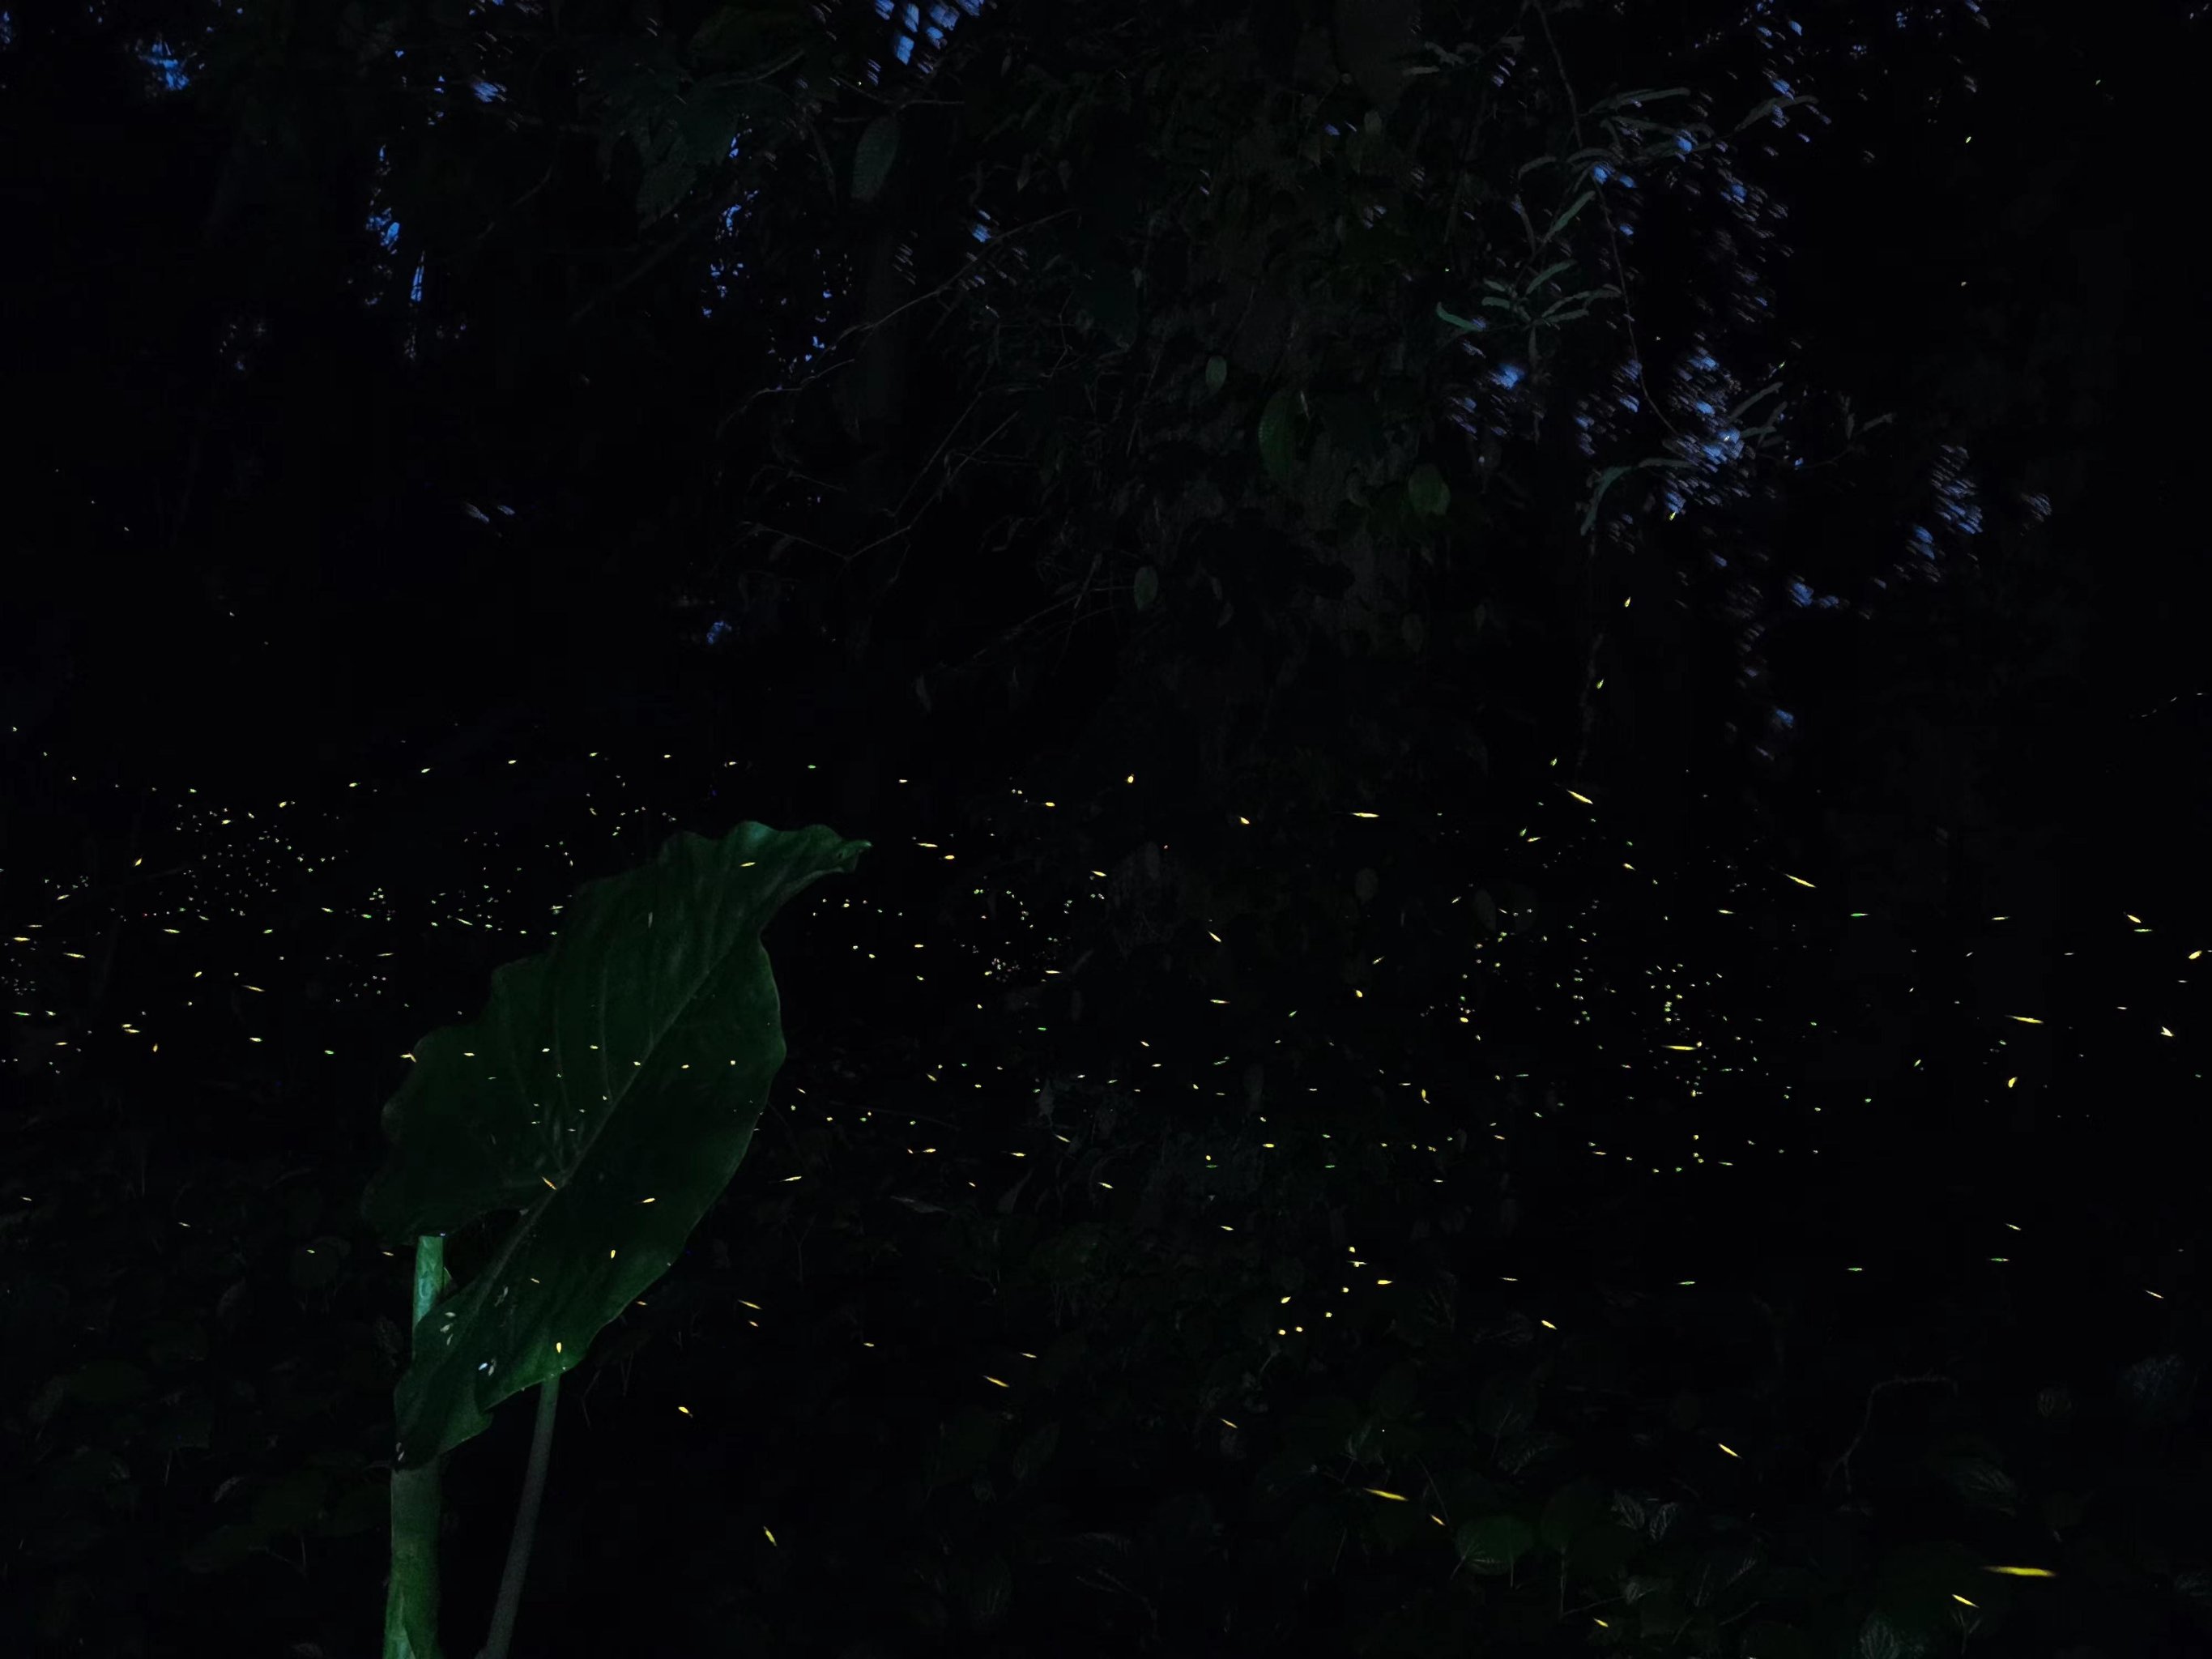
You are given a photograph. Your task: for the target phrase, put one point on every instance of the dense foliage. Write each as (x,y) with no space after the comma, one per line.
(1496,1004)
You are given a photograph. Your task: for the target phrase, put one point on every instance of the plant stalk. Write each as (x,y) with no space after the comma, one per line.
(526,1523)
(411,1606)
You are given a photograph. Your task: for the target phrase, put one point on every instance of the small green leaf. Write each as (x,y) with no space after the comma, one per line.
(1738,412)
(109,1383)
(2155,1389)
(226,1546)
(1035,1450)
(1878,1639)
(1595,1557)
(1351,423)
(989,1588)
(359,1508)
(1567,214)
(1772,106)
(1486,914)
(318,1264)
(1605,480)
(187,1426)
(872,158)
(751,36)
(1564,302)
(1428,491)
(1278,436)
(1721,1567)
(1216,373)
(1283,1473)
(1659,1611)
(1147,586)
(1641,95)
(1506,1406)
(1494,1543)
(1978,1481)
(963,1446)
(1109,295)
(1573,1510)
(291,1501)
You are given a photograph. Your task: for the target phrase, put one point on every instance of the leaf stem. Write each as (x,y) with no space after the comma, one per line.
(526,1523)
(411,1606)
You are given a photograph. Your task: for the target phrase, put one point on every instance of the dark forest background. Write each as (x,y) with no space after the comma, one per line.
(1529,683)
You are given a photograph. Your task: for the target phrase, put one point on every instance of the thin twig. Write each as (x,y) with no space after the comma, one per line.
(996,242)
(1866,1421)
(1619,265)
(526,1523)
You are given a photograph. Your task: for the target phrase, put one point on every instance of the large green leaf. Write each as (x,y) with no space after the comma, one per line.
(606,1094)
